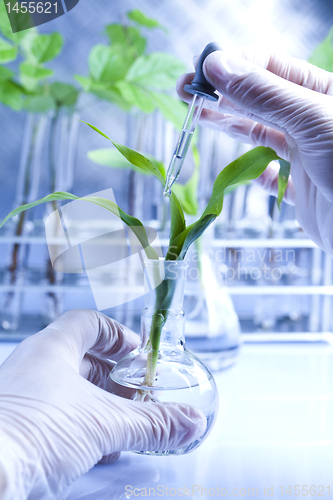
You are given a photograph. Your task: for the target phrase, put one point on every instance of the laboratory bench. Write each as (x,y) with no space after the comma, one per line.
(273,435)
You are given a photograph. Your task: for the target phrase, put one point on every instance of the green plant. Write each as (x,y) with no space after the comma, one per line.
(186,193)
(247,167)
(122,72)
(29,87)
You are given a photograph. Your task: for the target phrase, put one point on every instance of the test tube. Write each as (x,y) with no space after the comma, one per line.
(184,141)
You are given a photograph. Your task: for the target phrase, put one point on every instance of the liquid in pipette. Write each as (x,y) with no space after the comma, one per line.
(191,121)
(178,159)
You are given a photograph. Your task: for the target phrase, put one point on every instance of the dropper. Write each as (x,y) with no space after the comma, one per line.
(201,90)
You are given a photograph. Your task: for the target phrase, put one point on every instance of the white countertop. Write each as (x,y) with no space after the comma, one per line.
(274,428)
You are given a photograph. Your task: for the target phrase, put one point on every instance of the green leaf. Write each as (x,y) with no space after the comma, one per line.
(145,165)
(51,197)
(119,63)
(136,159)
(179,246)
(188,193)
(36,72)
(283,180)
(44,48)
(31,73)
(138,17)
(98,59)
(110,93)
(322,56)
(20,21)
(157,169)
(136,226)
(8,52)
(30,85)
(26,45)
(11,94)
(136,96)
(116,33)
(141,162)
(233,188)
(177,225)
(104,91)
(135,41)
(156,71)
(181,193)
(173,110)
(109,64)
(112,158)
(126,36)
(249,166)
(5,27)
(5,74)
(39,104)
(64,94)
(85,82)
(96,129)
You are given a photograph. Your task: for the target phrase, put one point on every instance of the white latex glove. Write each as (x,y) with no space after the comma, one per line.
(285,104)
(55,424)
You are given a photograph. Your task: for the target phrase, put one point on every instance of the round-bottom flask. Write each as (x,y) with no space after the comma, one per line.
(162,368)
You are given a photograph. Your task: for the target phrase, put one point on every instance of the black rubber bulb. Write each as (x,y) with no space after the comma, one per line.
(199,84)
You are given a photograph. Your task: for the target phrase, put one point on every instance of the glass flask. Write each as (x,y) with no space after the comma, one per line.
(161,368)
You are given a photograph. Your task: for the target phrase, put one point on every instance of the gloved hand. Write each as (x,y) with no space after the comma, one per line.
(286,104)
(55,424)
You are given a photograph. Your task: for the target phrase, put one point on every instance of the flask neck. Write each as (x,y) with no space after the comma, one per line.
(171,326)
(165,282)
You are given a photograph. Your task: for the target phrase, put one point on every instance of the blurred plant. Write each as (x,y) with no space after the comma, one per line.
(122,72)
(28,87)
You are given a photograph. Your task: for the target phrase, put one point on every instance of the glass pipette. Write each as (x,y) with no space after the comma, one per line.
(184,141)
(201,89)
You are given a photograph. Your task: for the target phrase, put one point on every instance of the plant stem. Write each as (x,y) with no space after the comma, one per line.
(158,321)
(20,225)
(164,295)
